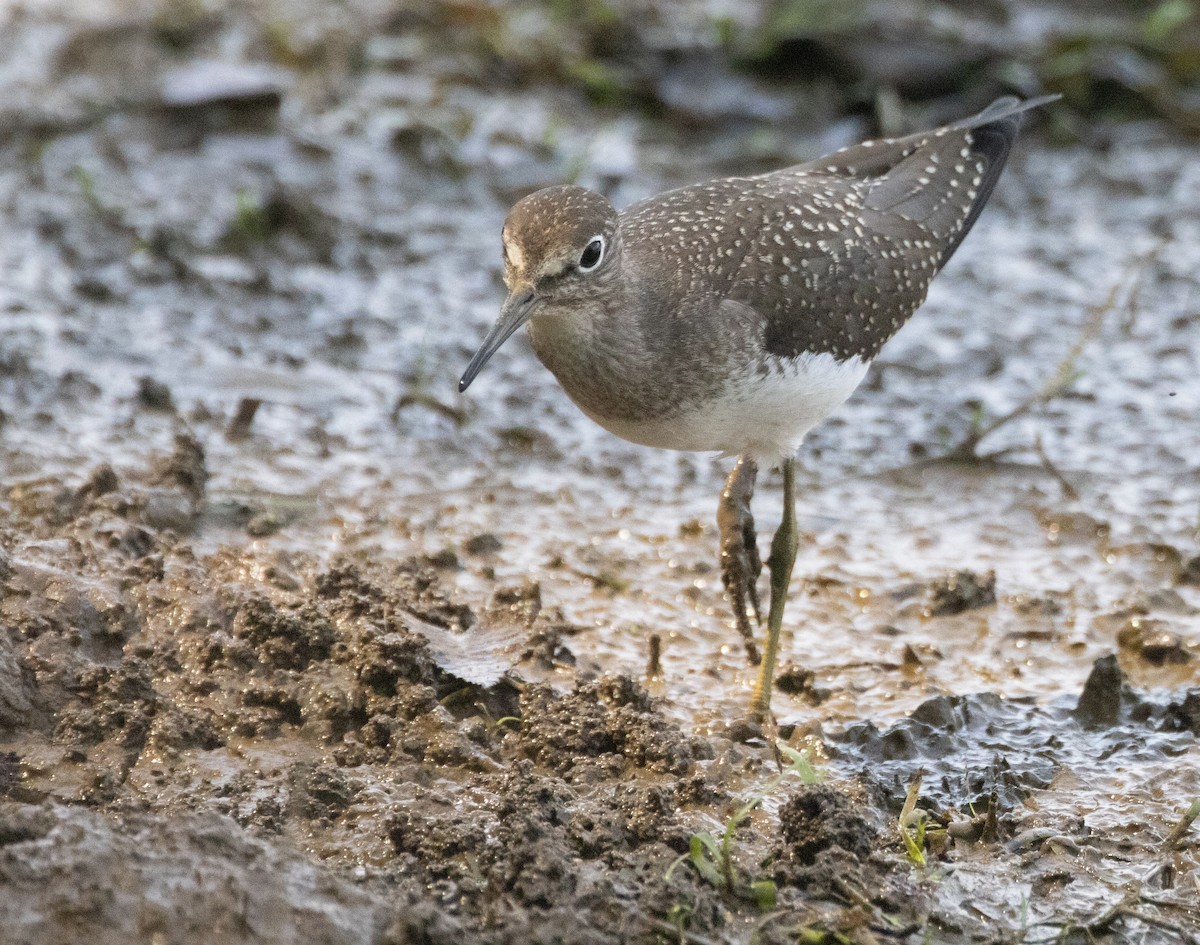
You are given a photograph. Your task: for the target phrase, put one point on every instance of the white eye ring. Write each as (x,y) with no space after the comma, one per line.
(586,267)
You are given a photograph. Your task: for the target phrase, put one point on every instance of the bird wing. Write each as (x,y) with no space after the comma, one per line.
(828,274)
(847,245)
(917,175)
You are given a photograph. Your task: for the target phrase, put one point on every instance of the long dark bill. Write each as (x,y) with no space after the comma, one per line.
(514,314)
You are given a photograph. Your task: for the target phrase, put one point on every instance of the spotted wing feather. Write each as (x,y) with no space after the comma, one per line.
(854,239)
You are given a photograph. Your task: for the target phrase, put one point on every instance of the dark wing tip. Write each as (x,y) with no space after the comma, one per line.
(995,128)
(992,134)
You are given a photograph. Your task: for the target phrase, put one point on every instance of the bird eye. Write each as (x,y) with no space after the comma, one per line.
(592,254)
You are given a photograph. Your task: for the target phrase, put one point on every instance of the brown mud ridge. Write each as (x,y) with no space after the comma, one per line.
(235,749)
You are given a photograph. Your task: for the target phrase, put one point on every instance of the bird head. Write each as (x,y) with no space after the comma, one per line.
(561,250)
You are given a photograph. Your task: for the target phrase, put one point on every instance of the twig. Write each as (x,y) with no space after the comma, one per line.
(239,426)
(1160,922)
(1169,904)
(1065,373)
(854,896)
(1111,914)
(1060,381)
(1068,490)
(910,799)
(654,656)
(456,415)
(1125,909)
(680,935)
(1133,297)
(1175,837)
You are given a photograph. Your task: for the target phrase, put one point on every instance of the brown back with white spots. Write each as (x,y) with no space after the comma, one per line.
(834,255)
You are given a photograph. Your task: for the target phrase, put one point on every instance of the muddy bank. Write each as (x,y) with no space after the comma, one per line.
(267,745)
(298,645)
(194,746)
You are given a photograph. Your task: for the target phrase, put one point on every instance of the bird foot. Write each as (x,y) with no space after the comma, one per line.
(740,561)
(754,729)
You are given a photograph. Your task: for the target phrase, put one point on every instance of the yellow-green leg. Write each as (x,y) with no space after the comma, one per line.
(783,557)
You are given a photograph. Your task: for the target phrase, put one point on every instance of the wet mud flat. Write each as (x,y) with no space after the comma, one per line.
(299,646)
(268,749)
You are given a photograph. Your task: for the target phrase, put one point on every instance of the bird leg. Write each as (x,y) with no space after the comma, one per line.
(783,557)
(740,563)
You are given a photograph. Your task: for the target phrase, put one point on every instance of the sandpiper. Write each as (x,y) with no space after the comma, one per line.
(735,315)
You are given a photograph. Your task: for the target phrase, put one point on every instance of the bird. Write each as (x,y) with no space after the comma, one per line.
(733,315)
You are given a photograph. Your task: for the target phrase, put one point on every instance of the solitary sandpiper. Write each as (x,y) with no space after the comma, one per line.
(735,315)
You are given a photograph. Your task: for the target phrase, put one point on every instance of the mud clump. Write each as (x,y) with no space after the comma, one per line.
(356,592)
(831,849)
(283,640)
(483,544)
(820,818)
(191,878)
(117,701)
(1152,641)
(17,686)
(800,681)
(347,729)
(1099,704)
(1184,715)
(178,482)
(1189,573)
(601,729)
(102,480)
(538,843)
(961,591)
(825,844)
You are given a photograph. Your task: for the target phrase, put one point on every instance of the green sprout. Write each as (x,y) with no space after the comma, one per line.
(913,825)
(711,856)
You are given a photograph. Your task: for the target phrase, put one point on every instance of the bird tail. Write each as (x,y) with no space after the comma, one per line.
(990,136)
(942,178)
(875,158)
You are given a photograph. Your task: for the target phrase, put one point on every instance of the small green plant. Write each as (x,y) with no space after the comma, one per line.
(1165,19)
(679,916)
(250,219)
(913,824)
(1024,917)
(800,764)
(712,856)
(87,188)
(914,841)
(1179,831)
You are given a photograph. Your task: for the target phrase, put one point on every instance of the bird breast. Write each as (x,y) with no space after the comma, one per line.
(690,397)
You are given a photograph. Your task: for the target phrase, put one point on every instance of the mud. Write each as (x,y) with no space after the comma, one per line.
(298,645)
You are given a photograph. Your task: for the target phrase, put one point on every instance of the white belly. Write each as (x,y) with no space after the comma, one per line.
(766,417)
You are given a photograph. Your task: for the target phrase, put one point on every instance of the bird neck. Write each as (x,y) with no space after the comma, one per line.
(598,346)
